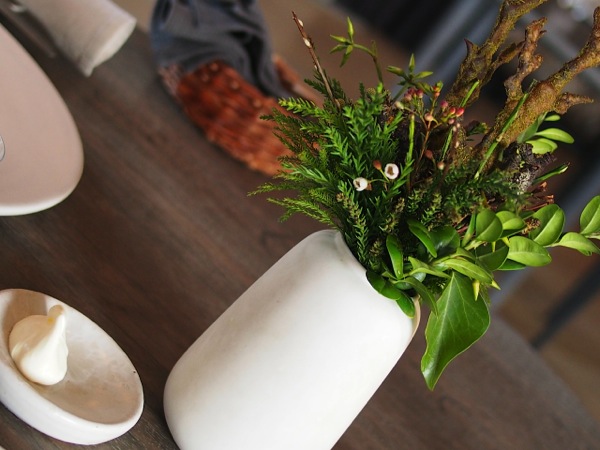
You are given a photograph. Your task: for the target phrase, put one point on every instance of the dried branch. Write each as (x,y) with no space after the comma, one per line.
(529,61)
(568,99)
(546,95)
(479,64)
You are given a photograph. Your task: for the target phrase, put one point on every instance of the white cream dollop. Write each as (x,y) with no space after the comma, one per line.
(38,346)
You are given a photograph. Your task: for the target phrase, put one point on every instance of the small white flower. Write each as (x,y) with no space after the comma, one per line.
(361,183)
(391,171)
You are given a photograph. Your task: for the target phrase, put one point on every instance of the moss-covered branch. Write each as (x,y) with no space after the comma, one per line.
(482,61)
(547,95)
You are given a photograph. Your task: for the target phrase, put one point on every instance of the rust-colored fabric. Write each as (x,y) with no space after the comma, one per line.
(228,109)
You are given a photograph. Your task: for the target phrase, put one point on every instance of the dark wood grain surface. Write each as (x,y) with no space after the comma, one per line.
(160,237)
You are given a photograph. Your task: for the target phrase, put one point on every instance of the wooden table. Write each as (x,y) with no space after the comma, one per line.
(160,237)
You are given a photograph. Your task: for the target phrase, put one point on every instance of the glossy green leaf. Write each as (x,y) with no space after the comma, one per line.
(541,146)
(338,48)
(422,233)
(419,267)
(578,242)
(485,296)
(387,289)
(526,214)
(492,259)
(511,265)
(551,173)
(406,304)
(461,320)
(590,217)
(488,227)
(423,74)
(376,280)
(424,293)
(465,254)
(527,252)
(470,231)
(469,269)
(396,255)
(511,222)
(552,118)
(556,134)
(445,239)
(347,53)
(552,221)
(395,70)
(350,27)
(531,130)
(340,39)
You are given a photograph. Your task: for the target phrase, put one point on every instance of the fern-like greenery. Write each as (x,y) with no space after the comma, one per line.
(381,144)
(426,208)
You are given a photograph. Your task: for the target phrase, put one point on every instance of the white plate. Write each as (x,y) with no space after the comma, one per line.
(43,158)
(99,399)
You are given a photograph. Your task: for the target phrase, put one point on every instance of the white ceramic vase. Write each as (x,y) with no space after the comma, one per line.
(293,361)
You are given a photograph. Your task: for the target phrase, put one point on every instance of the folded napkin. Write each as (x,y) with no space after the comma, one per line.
(88,32)
(191,33)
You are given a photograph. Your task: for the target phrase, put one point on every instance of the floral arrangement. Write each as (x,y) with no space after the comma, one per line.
(430,205)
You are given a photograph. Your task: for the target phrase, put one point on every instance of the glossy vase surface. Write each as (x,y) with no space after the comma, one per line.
(292,362)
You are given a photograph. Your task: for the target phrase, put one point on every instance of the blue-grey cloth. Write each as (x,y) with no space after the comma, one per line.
(194,32)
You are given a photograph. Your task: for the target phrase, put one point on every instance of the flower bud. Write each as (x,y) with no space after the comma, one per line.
(360,183)
(391,171)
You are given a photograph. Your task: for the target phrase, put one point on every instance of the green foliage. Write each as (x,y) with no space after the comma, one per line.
(500,241)
(590,219)
(429,218)
(347,45)
(410,79)
(544,141)
(462,318)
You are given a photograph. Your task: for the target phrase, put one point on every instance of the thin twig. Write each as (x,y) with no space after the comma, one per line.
(311,49)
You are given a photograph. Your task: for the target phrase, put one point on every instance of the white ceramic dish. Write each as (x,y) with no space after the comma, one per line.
(43,158)
(99,399)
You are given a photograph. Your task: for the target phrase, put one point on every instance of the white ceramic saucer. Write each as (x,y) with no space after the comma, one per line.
(99,399)
(43,155)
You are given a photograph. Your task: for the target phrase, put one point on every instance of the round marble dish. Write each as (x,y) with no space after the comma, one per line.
(41,159)
(99,399)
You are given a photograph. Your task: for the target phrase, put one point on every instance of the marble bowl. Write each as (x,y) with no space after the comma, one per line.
(101,396)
